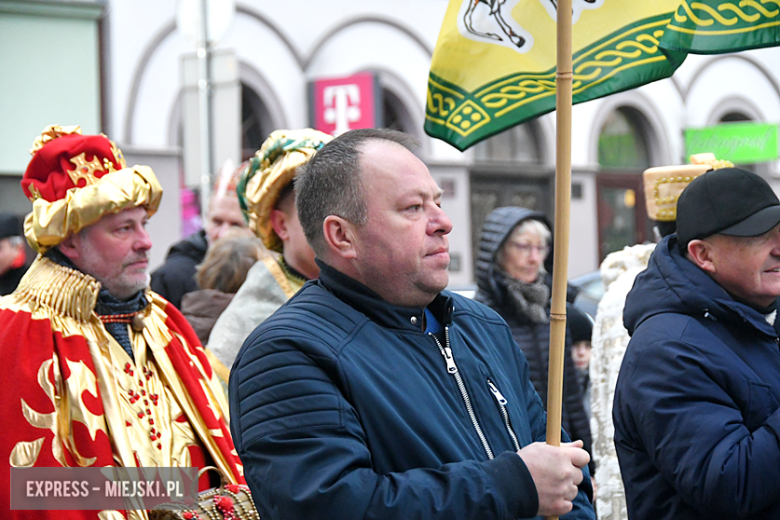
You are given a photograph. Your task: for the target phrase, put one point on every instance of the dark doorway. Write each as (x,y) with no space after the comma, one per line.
(256,123)
(622,218)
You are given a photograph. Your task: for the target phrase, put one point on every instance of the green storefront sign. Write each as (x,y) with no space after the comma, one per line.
(740,143)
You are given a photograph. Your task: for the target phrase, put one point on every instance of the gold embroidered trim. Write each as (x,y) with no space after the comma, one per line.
(664,184)
(271,169)
(118,155)
(52,132)
(25,453)
(220,369)
(66,291)
(283,277)
(84,169)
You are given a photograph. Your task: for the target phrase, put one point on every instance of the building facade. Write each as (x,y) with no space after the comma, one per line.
(125,76)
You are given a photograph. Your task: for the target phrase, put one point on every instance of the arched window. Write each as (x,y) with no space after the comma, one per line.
(624,150)
(395,115)
(399,107)
(736,116)
(623,141)
(508,170)
(256,122)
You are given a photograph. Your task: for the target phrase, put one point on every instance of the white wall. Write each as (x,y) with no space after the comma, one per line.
(165,226)
(583,249)
(281,46)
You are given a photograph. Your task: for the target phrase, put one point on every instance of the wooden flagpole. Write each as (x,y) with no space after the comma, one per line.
(563,102)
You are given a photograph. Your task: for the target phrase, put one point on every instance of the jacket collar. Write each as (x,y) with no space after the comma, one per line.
(366,301)
(672,283)
(194,246)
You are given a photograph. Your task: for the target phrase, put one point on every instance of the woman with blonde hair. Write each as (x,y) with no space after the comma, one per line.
(220,276)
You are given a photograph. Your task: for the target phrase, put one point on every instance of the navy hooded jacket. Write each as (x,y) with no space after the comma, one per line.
(697,424)
(343,408)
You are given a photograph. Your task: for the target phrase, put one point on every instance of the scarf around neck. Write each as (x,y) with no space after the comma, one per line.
(528,299)
(107,304)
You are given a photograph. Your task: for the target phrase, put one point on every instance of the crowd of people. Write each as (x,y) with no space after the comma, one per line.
(304,342)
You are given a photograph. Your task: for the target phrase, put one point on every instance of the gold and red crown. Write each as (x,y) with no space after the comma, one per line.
(74,180)
(63,159)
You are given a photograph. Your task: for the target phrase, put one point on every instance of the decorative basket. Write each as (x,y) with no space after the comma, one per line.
(226,502)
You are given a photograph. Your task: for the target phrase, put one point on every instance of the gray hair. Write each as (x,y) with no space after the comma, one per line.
(331,184)
(532,225)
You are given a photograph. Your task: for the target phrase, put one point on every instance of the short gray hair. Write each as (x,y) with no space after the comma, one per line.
(534,226)
(331,184)
(528,225)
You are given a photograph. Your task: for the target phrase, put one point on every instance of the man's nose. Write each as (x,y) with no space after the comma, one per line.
(222,229)
(143,241)
(439,222)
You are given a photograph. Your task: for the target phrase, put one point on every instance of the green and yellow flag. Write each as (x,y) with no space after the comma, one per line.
(494,62)
(718,26)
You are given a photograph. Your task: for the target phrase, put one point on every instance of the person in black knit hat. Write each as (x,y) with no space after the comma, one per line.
(581,328)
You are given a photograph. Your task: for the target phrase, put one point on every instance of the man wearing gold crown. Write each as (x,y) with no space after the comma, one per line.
(99,370)
(265,192)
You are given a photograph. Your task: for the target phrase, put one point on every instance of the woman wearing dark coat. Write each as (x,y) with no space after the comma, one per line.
(221,274)
(511,280)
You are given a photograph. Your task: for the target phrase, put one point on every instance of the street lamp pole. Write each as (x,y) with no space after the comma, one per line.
(205,116)
(204,23)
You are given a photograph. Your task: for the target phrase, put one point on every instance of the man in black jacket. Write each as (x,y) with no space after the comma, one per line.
(176,277)
(374,393)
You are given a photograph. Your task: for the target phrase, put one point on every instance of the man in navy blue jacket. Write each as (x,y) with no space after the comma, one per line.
(374,394)
(697,421)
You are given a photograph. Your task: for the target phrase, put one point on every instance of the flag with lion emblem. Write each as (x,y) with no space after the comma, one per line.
(495,60)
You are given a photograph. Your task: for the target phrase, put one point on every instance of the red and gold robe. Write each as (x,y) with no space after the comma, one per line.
(71,395)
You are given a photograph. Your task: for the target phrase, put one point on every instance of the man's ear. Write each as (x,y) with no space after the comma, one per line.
(700,252)
(340,236)
(70,246)
(278,219)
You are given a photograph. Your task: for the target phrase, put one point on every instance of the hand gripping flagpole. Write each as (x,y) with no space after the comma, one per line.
(563,102)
